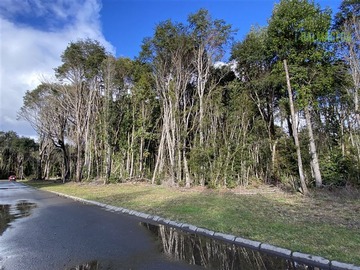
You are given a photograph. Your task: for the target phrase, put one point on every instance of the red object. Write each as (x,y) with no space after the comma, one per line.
(12,178)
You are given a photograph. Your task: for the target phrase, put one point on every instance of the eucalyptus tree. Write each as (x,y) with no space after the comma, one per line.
(114,121)
(109,86)
(254,68)
(291,22)
(132,116)
(347,23)
(31,111)
(144,116)
(43,109)
(347,28)
(80,75)
(210,38)
(171,54)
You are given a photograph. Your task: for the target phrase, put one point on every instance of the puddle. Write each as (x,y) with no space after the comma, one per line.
(93,265)
(99,265)
(216,254)
(9,213)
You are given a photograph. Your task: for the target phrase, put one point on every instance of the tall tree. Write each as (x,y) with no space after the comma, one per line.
(109,84)
(210,37)
(347,25)
(44,110)
(80,74)
(290,21)
(171,53)
(254,65)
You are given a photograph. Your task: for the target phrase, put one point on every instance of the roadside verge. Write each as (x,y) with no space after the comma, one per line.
(298,257)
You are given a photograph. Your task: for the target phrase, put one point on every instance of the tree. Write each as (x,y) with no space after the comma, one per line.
(109,84)
(80,74)
(347,23)
(290,22)
(210,37)
(34,102)
(171,53)
(44,110)
(254,65)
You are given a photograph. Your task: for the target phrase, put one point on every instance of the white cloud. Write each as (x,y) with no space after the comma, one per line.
(29,52)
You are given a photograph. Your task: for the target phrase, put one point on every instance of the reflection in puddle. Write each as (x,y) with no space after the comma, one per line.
(215,254)
(9,213)
(93,265)
(99,265)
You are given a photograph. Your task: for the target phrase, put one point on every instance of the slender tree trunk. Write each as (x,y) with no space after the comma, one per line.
(89,161)
(314,157)
(47,169)
(79,160)
(141,157)
(66,164)
(159,159)
(132,146)
(294,130)
(201,118)
(40,162)
(108,163)
(186,170)
(273,157)
(78,175)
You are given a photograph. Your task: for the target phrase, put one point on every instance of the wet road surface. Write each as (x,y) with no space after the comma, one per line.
(39,230)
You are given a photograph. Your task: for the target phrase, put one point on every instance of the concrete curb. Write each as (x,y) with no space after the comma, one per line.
(297,257)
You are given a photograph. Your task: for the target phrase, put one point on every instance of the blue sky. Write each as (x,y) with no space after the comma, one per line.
(141,18)
(34,33)
(125,23)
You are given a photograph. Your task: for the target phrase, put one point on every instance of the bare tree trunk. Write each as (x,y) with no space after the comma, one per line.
(41,158)
(40,162)
(160,157)
(131,146)
(47,169)
(108,163)
(202,69)
(128,155)
(314,157)
(352,29)
(273,156)
(141,157)
(294,130)
(66,163)
(186,170)
(79,163)
(89,161)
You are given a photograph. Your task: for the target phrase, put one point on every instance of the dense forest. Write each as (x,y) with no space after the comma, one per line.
(284,109)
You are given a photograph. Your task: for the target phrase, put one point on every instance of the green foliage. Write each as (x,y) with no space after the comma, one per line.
(212,34)
(17,155)
(339,170)
(292,18)
(81,60)
(307,60)
(199,161)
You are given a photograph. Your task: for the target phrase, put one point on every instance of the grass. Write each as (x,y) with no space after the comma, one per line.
(325,223)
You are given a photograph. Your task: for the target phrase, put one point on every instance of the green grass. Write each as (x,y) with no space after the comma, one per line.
(325,223)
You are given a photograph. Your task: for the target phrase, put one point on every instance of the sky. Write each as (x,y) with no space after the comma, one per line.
(34,34)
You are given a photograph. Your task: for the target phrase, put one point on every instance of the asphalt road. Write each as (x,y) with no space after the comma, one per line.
(39,230)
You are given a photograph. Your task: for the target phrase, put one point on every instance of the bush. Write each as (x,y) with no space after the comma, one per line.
(340,170)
